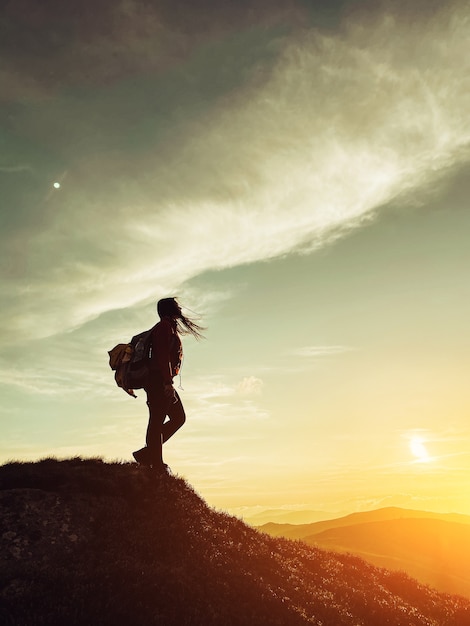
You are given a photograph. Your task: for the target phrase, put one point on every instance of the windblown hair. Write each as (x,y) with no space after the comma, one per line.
(169,307)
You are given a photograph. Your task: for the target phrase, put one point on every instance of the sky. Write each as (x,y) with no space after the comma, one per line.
(297,174)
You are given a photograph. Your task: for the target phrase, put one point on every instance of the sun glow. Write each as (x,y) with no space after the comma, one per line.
(418,450)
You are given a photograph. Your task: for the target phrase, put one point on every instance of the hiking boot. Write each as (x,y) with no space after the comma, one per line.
(142,457)
(161,469)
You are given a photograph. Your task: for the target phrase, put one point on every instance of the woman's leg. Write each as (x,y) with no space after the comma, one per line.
(157,404)
(177,418)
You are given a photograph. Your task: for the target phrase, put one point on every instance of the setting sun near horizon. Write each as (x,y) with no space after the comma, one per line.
(418,449)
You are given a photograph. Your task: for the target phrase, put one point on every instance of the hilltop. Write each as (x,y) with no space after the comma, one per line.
(432,547)
(87,542)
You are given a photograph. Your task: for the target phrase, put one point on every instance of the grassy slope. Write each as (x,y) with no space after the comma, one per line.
(84,542)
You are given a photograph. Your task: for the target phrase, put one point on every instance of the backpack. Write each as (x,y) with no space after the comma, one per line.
(131,362)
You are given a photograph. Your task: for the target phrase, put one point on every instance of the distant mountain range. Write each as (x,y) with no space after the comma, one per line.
(86,542)
(434,548)
(286,516)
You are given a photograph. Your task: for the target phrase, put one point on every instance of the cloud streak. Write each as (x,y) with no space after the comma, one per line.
(320,351)
(341,125)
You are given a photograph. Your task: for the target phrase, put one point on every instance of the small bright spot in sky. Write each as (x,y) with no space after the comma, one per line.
(418,450)
(56,185)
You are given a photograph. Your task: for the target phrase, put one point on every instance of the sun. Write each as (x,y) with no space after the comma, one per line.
(418,450)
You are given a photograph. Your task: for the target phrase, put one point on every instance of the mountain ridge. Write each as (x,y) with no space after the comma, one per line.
(383,513)
(284,516)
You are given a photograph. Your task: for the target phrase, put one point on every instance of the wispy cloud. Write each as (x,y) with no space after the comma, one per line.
(15,168)
(219,388)
(320,351)
(250,385)
(340,126)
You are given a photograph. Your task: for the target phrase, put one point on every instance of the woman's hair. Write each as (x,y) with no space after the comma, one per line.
(169,307)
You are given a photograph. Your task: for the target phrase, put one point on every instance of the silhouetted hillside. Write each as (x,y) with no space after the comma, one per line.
(85,542)
(432,547)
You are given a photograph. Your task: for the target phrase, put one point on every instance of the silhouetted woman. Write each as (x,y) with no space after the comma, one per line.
(162,398)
